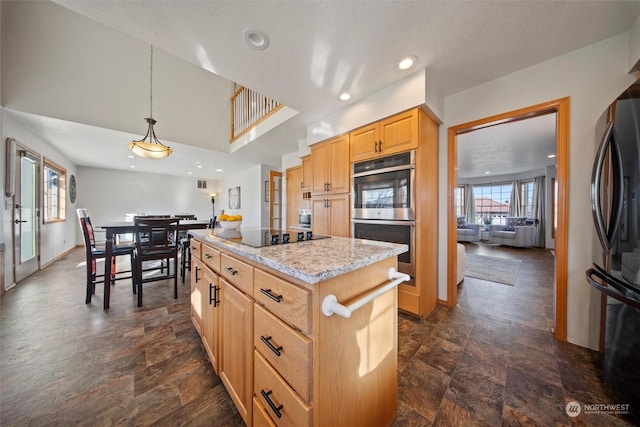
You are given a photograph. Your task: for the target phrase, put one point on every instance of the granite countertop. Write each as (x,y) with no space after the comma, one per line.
(314,261)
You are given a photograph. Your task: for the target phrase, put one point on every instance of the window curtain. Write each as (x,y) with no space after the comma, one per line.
(538,209)
(514,203)
(470,204)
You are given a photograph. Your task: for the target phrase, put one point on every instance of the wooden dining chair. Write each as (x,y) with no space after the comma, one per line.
(157,242)
(96,250)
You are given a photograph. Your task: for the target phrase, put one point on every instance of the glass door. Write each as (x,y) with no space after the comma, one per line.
(26,213)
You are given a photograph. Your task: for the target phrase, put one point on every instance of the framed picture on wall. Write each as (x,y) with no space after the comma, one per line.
(234,198)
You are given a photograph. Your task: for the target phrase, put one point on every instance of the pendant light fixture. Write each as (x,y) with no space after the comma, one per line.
(153,148)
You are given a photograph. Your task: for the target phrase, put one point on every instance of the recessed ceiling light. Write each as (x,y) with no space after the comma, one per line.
(132,166)
(189,173)
(219,170)
(256,39)
(199,166)
(551,156)
(487,172)
(407,62)
(131,157)
(344,96)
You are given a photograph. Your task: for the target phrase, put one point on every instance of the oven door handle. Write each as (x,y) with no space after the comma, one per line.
(383,222)
(385,170)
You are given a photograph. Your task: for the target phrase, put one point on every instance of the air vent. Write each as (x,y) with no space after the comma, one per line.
(202,184)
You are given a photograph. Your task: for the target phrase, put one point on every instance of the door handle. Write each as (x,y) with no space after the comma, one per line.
(17,221)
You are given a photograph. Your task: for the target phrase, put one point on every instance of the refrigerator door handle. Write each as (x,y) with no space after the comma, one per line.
(617,289)
(607,233)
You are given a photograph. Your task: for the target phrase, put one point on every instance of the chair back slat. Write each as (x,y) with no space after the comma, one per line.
(156,233)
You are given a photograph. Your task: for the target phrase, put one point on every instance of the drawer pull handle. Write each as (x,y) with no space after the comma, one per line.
(267,292)
(207,256)
(276,409)
(192,248)
(267,341)
(231,271)
(197,278)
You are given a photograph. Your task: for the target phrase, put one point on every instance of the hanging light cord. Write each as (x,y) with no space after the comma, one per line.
(151,84)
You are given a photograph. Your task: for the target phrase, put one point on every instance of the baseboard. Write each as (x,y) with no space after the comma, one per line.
(59,257)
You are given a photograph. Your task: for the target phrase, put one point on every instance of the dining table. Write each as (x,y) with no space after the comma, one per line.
(113,229)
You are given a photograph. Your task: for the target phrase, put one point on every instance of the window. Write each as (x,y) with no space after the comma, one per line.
(526,198)
(55,191)
(492,202)
(460,198)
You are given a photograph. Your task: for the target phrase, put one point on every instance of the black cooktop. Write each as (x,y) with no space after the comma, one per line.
(261,237)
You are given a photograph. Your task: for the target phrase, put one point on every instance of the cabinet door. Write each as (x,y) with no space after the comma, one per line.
(236,358)
(196,293)
(399,133)
(319,216)
(364,143)
(319,167)
(211,316)
(338,164)
(294,194)
(339,215)
(306,172)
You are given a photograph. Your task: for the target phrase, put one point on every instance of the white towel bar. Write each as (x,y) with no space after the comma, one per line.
(330,304)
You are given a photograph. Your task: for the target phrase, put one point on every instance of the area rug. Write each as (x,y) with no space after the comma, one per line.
(499,270)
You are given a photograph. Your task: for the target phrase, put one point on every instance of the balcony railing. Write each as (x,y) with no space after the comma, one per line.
(248,109)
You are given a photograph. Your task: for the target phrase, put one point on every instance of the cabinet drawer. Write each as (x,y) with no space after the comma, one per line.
(287,350)
(277,397)
(211,257)
(237,273)
(260,416)
(194,247)
(287,301)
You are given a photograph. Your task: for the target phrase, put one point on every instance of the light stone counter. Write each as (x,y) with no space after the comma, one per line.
(314,261)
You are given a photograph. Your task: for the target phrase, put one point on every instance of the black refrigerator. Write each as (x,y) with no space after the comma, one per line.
(615,195)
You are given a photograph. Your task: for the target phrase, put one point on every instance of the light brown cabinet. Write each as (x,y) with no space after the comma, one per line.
(284,363)
(392,135)
(211,316)
(236,356)
(331,215)
(307,173)
(330,166)
(295,195)
(196,293)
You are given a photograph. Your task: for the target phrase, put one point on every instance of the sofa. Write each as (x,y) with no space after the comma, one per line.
(514,233)
(631,266)
(467,232)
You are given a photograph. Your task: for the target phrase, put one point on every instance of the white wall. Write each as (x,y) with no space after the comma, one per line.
(634,46)
(407,93)
(592,77)
(57,237)
(110,194)
(253,208)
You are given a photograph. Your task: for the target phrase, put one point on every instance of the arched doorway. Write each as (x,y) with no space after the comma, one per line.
(560,107)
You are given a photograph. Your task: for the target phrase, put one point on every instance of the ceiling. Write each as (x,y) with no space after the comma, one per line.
(317,50)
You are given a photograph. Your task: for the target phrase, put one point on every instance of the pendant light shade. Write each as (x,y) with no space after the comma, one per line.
(150,147)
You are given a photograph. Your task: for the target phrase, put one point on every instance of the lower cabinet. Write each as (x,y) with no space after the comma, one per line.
(196,293)
(211,316)
(284,363)
(236,360)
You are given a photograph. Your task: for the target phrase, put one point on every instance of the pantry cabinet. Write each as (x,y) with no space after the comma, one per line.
(392,135)
(330,166)
(307,173)
(331,215)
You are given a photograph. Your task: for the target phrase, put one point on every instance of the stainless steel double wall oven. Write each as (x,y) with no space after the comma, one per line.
(383,194)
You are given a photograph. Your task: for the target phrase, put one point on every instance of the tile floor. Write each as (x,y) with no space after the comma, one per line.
(491,361)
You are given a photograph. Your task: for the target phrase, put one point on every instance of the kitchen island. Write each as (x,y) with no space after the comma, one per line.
(301,334)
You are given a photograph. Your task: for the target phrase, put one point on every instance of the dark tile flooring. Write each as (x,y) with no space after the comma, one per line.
(491,361)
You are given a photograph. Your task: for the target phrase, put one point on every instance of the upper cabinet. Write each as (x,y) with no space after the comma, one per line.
(389,136)
(307,172)
(329,165)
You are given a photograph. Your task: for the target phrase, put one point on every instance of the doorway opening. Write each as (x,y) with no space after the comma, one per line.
(560,108)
